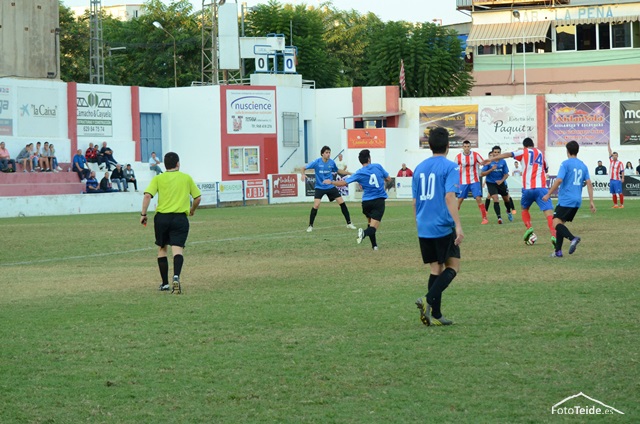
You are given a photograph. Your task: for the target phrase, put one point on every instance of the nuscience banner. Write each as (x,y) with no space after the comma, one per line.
(588,123)
(251,112)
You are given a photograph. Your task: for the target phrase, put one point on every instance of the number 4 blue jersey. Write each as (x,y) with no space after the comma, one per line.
(573,173)
(432,180)
(371,178)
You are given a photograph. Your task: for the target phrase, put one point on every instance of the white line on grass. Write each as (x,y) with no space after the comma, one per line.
(282,235)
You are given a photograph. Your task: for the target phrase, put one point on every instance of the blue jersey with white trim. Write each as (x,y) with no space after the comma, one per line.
(324,171)
(573,173)
(371,178)
(432,180)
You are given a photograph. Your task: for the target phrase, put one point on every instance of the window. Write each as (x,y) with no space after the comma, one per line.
(586,37)
(603,36)
(621,35)
(290,132)
(565,38)
(244,160)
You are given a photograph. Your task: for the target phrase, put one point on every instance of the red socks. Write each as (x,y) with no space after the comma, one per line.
(483,211)
(550,224)
(526,218)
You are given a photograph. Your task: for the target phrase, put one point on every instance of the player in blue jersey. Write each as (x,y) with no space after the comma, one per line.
(325,168)
(435,188)
(372,178)
(496,174)
(572,175)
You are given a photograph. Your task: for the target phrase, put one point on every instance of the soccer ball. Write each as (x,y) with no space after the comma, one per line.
(532,239)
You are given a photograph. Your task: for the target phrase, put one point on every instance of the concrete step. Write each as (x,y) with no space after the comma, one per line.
(41,189)
(38,177)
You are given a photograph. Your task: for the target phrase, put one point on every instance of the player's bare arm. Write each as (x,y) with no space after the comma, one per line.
(553,188)
(452,205)
(194,206)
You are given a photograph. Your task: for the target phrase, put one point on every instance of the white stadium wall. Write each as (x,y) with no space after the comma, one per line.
(191,126)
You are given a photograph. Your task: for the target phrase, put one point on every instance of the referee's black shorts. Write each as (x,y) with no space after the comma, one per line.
(501,189)
(171,229)
(374,208)
(332,193)
(439,249)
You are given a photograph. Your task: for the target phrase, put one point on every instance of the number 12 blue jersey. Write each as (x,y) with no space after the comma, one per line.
(573,173)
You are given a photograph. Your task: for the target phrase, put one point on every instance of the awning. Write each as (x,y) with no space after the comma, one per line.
(373,116)
(511,33)
(598,20)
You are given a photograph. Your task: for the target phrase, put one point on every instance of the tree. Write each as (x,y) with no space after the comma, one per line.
(348,34)
(432,59)
(303,25)
(74,46)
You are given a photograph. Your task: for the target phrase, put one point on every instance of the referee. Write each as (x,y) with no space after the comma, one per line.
(171,225)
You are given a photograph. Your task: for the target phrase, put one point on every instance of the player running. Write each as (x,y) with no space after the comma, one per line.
(469,163)
(325,168)
(573,173)
(534,185)
(372,178)
(435,188)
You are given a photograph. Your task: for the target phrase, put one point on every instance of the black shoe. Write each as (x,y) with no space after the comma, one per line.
(163,287)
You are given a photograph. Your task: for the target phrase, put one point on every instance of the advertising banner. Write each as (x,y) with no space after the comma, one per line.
(284,185)
(630,122)
(507,125)
(631,185)
(403,187)
(461,121)
(310,185)
(255,189)
(251,112)
(94,114)
(39,112)
(209,195)
(6,111)
(588,123)
(367,138)
(230,191)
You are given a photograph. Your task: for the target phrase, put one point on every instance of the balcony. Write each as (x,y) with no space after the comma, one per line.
(497,4)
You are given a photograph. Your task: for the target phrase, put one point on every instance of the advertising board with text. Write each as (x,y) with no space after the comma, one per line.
(95,117)
(255,189)
(374,138)
(284,185)
(588,123)
(460,121)
(251,112)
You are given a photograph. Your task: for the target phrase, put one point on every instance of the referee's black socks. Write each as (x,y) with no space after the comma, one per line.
(163,265)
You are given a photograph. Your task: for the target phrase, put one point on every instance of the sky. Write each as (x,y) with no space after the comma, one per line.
(387,10)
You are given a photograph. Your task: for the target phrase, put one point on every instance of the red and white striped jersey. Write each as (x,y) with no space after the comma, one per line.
(469,167)
(533,167)
(615,168)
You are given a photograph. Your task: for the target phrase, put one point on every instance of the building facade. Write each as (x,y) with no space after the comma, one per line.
(570,46)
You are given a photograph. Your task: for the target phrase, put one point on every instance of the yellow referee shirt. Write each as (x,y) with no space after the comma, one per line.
(174,189)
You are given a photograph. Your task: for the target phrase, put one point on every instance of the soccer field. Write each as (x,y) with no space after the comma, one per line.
(277,325)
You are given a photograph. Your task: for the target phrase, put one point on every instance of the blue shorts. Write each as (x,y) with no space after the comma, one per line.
(531,195)
(615,186)
(474,188)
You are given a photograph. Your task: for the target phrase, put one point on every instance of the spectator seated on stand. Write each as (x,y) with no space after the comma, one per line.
(24,157)
(130,176)
(106,157)
(154,164)
(105,184)
(92,183)
(80,166)
(6,163)
(91,155)
(117,176)
(53,159)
